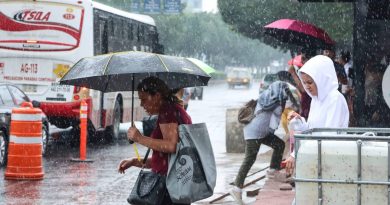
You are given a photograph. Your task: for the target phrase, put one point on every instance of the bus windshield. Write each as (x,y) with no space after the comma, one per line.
(39,26)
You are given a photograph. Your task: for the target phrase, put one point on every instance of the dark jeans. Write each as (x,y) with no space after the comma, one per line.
(252,148)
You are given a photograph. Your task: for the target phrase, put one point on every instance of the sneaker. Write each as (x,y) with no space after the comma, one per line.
(237,195)
(271,173)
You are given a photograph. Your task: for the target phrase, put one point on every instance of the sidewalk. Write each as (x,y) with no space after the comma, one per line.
(271,194)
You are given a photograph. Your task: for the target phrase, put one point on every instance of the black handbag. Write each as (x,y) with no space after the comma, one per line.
(149,189)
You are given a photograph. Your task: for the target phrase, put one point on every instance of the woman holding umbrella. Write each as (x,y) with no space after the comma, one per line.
(157,99)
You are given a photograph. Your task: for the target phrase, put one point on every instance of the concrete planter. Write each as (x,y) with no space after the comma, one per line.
(235,142)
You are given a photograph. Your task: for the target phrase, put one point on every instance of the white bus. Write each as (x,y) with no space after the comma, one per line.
(41,39)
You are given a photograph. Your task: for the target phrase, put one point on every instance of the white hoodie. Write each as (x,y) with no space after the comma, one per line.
(329,108)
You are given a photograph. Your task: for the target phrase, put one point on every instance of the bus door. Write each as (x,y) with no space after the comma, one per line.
(98,118)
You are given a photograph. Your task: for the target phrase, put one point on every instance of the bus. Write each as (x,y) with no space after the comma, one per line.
(41,39)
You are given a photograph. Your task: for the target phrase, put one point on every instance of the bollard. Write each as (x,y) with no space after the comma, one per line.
(25,144)
(83,133)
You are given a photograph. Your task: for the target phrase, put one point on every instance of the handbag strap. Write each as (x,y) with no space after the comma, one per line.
(178,117)
(146,157)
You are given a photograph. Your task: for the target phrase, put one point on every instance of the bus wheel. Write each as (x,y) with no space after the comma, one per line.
(3,149)
(113,130)
(45,138)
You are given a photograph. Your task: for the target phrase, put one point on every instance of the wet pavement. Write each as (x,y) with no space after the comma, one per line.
(67,182)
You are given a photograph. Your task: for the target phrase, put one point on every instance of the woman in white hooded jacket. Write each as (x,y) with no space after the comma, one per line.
(328,108)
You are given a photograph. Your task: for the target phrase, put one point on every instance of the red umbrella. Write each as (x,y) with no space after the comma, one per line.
(298,33)
(297,60)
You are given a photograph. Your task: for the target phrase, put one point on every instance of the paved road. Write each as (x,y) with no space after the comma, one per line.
(67,182)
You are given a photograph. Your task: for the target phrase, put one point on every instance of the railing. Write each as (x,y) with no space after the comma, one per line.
(359,135)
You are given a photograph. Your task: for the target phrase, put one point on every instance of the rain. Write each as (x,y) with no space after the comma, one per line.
(213,57)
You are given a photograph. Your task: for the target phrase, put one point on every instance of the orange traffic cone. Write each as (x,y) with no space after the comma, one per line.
(25,144)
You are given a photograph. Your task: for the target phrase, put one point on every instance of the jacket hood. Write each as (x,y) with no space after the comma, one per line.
(321,69)
(276,94)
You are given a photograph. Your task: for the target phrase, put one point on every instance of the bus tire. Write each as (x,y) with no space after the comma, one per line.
(3,149)
(113,130)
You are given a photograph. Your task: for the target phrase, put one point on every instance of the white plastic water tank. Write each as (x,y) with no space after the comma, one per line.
(340,162)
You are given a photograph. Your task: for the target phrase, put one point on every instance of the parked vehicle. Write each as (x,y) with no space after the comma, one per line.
(239,76)
(267,80)
(197,92)
(12,97)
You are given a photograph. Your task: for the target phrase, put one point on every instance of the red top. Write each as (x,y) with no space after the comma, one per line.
(305,105)
(167,115)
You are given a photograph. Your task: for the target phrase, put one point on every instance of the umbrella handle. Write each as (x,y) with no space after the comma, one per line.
(132,125)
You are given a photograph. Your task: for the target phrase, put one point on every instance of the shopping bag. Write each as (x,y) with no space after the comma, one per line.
(191,170)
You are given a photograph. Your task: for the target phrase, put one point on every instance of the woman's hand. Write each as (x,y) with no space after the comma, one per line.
(290,165)
(125,164)
(133,134)
(292,115)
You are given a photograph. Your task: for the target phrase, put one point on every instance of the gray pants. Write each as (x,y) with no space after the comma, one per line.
(252,148)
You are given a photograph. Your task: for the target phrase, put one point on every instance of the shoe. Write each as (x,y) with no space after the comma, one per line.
(237,196)
(271,173)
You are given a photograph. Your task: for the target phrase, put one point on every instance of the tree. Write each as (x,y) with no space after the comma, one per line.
(249,17)
(205,36)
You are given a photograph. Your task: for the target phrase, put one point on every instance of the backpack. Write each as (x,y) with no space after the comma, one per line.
(247,112)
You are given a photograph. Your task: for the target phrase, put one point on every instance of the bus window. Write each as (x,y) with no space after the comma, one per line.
(18,95)
(5,96)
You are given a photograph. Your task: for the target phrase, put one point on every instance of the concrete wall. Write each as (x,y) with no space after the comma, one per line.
(235,142)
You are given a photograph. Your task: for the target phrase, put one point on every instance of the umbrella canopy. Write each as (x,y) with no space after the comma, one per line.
(206,68)
(299,33)
(114,72)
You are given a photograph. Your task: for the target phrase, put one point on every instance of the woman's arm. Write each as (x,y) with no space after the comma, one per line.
(132,162)
(296,79)
(166,145)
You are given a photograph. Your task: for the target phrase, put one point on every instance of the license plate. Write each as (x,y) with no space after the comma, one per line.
(29,88)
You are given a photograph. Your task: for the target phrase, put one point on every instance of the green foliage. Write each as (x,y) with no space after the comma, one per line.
(205,36)
(218,75)
(249,17)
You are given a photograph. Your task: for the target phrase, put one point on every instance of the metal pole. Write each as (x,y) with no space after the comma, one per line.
(359,170)
(319,172)
(388,171)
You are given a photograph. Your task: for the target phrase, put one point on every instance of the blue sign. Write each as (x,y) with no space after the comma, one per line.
(152,6)
(135,5)
(172,6)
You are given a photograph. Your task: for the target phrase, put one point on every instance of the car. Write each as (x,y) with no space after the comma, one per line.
(197,92)
(12,97)
(239,76)
(267,80)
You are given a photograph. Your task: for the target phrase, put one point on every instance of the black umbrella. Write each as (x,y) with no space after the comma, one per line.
(124,71)
(114,72)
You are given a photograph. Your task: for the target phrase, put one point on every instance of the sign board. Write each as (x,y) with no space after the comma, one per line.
(386,86)
(152,6)
(172,6)
(135,6)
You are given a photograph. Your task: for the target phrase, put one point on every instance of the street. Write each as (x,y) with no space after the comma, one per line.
(67,182)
